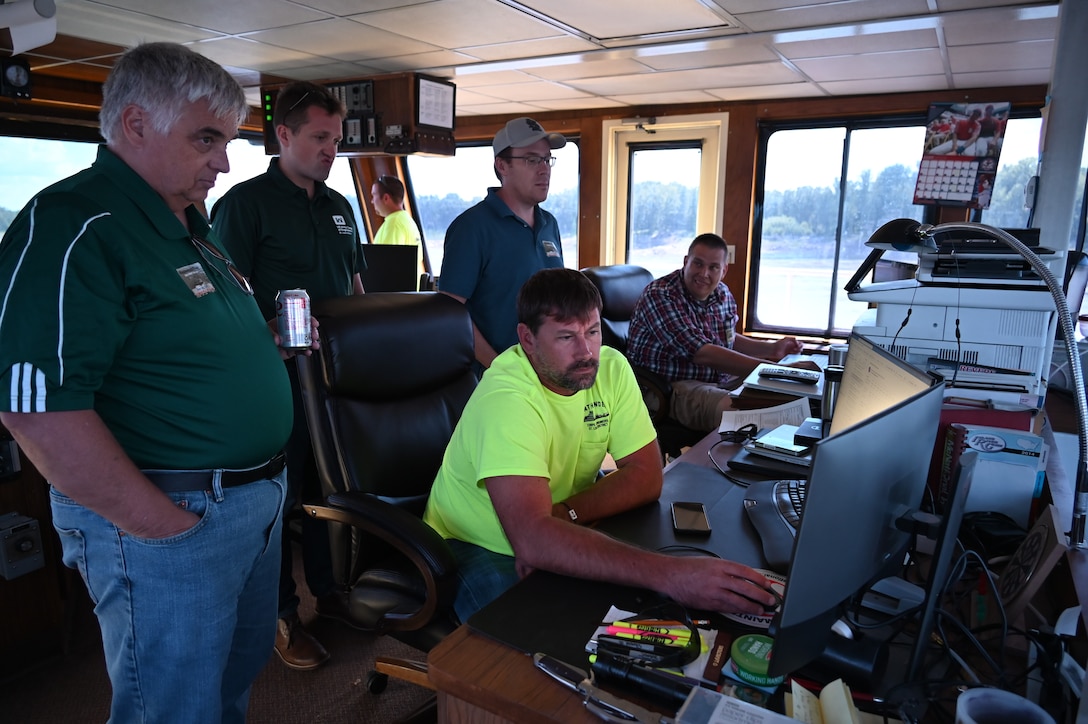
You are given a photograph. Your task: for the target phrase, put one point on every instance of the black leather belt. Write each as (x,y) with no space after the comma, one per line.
(181,481)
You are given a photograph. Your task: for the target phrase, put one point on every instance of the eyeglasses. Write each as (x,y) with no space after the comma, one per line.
(389,184)
(294,105)
(534,161)
(239,279)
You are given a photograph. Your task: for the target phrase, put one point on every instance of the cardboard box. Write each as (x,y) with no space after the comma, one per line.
(1009,473)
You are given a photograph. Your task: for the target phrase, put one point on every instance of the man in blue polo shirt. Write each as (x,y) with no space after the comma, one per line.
(494,247)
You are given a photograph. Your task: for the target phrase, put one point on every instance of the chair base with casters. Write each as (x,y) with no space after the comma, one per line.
(382,397)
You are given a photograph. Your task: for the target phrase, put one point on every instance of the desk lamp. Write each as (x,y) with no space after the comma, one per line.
(910,235)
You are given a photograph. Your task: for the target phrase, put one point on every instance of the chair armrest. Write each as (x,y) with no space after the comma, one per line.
(656,392)
(417,541)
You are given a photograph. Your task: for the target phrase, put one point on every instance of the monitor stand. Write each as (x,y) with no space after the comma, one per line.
(942,560)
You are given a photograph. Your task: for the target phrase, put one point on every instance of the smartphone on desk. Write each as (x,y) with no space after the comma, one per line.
(690,518)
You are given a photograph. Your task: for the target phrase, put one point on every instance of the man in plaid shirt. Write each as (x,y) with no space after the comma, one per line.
(684,329)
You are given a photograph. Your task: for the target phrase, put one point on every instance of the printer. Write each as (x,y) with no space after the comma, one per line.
(971,302)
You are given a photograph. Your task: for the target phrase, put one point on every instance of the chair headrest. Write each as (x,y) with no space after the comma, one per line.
(620,286)
(387,337)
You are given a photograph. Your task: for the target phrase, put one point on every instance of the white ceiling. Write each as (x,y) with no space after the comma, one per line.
(511,57)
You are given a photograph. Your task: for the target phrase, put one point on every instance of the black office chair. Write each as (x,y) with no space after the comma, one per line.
(620,286)
(382,397)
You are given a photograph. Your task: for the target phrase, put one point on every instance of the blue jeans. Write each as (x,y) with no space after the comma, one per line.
(187,621)
(483,575)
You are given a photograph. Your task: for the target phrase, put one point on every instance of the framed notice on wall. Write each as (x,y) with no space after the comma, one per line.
(962,148)
(435,101)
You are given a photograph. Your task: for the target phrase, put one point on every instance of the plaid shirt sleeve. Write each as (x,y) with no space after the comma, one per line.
(668,327)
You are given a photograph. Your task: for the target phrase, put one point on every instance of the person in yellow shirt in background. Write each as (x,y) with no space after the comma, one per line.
(387,196)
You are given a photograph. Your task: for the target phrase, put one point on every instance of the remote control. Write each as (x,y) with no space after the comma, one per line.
(793,374)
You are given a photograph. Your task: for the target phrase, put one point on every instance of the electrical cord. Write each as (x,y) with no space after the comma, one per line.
(741,435)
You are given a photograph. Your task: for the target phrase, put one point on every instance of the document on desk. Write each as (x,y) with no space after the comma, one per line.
(788,413)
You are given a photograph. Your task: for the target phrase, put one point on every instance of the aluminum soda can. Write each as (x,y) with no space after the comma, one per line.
(293,318)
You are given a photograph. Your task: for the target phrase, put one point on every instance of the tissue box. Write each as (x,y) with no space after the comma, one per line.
(1009,473)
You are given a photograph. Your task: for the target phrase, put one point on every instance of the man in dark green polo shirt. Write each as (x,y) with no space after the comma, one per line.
(148,390)
(286,229)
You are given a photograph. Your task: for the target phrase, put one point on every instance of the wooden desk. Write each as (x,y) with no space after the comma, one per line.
(480,680)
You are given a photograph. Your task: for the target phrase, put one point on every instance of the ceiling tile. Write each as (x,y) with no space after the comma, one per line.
(121,27)
(235,16)
(997,28)
(344,8)
(457,23)
(423,61)
(1003,56)
(588,69)
(242,52)
(755,92)
(688,79)
(831,13)
(520,109)
(904,84)
(872,65)
(739,54)
(329,70)
(575,104)
(328,38)
(858,44)
(663,98)
(537,49)
(621,18)
(989,79)
(464,78)
(533,91)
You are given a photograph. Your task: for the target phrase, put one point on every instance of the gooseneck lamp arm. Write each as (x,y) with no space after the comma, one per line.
(907,234)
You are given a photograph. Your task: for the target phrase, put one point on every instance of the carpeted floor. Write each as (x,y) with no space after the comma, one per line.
(75,688)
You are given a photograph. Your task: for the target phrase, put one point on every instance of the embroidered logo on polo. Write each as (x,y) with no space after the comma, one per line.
(342,225)
(550,248)
(596,415)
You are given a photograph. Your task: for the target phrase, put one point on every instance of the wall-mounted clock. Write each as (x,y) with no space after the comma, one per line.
(15,77)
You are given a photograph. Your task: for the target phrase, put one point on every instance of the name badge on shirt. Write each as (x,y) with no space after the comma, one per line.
(196,279)
(550,248)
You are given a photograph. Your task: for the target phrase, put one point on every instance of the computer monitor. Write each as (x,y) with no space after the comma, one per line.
(873,380)
(863,479)
(391,268)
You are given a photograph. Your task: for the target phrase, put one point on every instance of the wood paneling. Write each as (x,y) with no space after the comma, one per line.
(32,606)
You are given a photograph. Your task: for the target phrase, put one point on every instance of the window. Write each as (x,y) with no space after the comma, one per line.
(662,211)
(444,186)
(811,236)
(248,159)
(1018,163)
(31,164)
(662,187)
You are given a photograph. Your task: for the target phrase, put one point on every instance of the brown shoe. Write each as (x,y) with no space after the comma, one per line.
(296,647)
(335,606)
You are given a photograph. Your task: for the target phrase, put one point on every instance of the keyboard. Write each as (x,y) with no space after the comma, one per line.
(774,507)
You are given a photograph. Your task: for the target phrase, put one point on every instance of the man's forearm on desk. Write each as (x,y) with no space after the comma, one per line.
(636,481)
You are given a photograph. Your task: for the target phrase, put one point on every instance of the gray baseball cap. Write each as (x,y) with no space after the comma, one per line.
(522,132)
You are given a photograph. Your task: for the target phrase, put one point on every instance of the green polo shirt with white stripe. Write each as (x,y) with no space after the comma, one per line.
(282,239)
(107,305)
